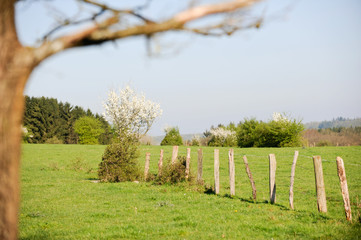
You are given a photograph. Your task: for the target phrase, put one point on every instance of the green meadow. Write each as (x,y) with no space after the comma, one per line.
(62,199)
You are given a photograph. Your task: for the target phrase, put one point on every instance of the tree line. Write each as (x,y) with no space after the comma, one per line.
(46,120)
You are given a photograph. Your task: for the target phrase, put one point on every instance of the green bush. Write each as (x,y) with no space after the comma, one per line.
(88,129)
(174,173)
(172,137)
(195,142)
(119,162)
(276,133)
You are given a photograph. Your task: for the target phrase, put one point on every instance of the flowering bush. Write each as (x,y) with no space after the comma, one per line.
(131,114)
(222,137)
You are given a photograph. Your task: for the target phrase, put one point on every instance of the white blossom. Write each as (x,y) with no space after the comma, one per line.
(24,130)
(131,113)
(222,135)
(279,117)
(222,132)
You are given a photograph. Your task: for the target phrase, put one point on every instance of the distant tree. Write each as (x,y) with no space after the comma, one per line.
(172,137)
(88,129)
(132,116)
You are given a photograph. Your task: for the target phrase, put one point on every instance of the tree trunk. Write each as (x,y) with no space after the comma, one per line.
(16,64)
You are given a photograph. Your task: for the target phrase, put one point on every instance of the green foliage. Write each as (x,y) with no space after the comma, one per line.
(172,137)
(119,162)
(174,173)
(88,129)
(282,133)
(46,118)
(195,142)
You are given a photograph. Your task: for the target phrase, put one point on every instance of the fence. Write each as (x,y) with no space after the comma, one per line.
(268,178)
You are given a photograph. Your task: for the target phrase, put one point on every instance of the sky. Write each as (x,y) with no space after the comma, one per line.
(304,61)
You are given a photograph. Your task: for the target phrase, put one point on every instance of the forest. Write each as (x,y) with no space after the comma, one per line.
(46,120)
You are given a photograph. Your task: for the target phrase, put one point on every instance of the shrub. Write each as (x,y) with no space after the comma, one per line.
(174,173)
(195,141)
(222,137)
(279,132)
(172,137)
(119,162)
(88,129)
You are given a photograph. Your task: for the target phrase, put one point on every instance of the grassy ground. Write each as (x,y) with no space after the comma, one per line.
(60,198)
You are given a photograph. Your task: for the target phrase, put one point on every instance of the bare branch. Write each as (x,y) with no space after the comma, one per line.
(117,11)
(102,32)
(68,22)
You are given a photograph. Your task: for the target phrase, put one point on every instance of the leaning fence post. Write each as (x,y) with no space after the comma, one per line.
(146,168)
(320,185)
(293,171)
(174,154)
(160,163)
(216,171)
(231,172)
(248,171)
(200,166)
(344,189)
(188,159)
(272,177)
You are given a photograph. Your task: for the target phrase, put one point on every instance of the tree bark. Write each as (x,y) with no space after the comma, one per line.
(16,64)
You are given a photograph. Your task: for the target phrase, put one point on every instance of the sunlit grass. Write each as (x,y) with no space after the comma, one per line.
(61,199)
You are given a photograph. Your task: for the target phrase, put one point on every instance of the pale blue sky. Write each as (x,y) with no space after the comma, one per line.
(306,62)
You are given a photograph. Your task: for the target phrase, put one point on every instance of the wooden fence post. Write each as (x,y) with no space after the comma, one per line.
(174,154)
(216,171)
(146,168)
(344,189)
(272,177)
(188,159)
(160,163)
(231,172)
(293,171)
(248,171)
(320,185)
(200,166)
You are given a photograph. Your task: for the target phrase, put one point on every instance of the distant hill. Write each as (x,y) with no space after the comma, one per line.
(338,122)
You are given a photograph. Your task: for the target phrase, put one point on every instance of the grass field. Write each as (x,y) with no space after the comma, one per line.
(60,198)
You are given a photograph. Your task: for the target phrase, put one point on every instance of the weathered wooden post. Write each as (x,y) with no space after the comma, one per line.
(232,173)
(344,189)
(146,168)
(248,171)
(293,171)
(272,177)
(216,171)
(188,160)
(160,163)
(200,166)
(174,154)
(320,185)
